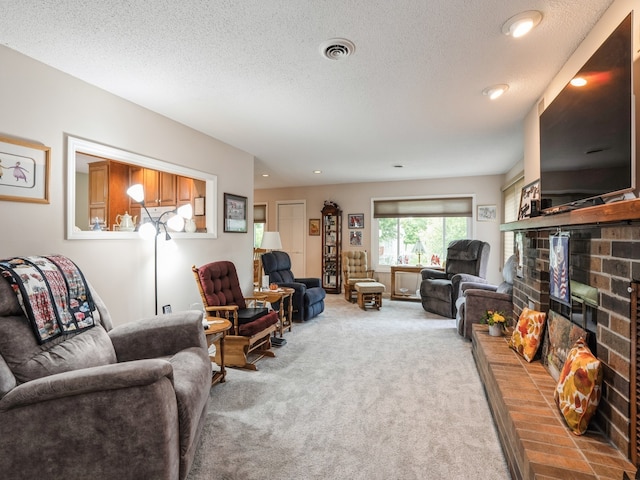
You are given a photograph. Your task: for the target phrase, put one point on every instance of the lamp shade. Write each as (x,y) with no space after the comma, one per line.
(136,192)
(418,247)
(271,241)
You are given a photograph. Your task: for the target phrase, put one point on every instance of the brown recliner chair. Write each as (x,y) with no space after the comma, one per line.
(354,269)
(252,326)
(125,402)
(466,261)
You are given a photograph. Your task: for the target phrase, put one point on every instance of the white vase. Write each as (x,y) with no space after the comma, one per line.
(495,330)
(190,226)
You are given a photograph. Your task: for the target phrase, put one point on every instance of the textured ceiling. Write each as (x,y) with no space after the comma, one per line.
(250,74)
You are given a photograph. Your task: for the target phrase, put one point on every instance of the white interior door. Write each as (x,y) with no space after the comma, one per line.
(291,225)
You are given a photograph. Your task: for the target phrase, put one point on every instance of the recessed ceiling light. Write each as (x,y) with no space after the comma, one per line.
(521,24)
(398,166)
(265,174)
(495,91)
(578,82)
(317,172)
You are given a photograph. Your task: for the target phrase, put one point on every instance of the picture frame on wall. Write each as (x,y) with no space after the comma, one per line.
(24,171)
(355,239)
(487,213)
(356,220)
(235,213)
(530,193)
(314,226)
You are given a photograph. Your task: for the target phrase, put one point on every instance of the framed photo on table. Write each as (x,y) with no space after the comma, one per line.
(24,171)
(530,194)
(235,213)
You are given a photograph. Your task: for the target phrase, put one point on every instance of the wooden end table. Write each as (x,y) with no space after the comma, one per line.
(214,333)
(280,295)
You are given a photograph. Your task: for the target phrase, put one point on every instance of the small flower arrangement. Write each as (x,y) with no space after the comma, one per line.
(492,317)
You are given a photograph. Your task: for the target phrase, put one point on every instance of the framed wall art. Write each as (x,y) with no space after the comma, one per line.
(356,220)
(529,194)
(235,213)
(355,239)
(24,171)
(487,213)
(314,226)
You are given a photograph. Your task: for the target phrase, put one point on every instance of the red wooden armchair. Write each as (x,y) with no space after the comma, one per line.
(252,326)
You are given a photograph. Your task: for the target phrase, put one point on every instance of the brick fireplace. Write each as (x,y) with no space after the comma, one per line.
(607,257)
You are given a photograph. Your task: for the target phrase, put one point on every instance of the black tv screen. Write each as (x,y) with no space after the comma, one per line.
(586,132)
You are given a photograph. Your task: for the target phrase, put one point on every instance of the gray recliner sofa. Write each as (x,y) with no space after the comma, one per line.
(106,403)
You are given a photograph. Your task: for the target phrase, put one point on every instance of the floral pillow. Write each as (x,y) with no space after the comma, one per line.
(527,335)
(579,388)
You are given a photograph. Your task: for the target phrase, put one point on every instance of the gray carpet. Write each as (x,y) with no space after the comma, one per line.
(389,394)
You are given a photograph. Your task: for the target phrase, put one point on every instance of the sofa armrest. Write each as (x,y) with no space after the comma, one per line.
(430,273)
(464,286)
(477,302)
(158,336)
(87,380)
(309,282)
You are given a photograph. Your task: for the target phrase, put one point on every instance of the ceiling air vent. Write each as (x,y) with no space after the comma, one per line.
(337,48)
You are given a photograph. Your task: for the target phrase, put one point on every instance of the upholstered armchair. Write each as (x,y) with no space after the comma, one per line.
(466,260)
(308,298)
(125,402)
(476,298)
(354,269)
(222,296)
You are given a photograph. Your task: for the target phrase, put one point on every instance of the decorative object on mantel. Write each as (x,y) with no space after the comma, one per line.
(529,196)
(496,321)
(527,335)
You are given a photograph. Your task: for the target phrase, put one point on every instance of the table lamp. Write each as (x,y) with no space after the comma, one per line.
(419,249)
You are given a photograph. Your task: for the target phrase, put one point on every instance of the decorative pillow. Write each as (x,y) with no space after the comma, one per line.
(579,388)
(527,335)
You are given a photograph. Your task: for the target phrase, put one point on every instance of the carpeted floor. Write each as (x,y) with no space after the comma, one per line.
(389,394)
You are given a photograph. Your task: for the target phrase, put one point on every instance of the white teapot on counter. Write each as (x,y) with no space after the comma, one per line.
(126,223)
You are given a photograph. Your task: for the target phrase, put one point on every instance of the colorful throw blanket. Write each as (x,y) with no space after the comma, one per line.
(52,292)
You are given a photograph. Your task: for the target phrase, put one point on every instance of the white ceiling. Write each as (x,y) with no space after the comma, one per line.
(250,73)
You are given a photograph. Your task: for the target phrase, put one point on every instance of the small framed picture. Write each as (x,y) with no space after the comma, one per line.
(529,194)
(314,226)
(24,171)
(355,239)
(356,220)
(235,213)
(198,206)
(487,213)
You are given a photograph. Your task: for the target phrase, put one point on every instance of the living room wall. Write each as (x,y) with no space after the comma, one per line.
(357,197)
(42,105)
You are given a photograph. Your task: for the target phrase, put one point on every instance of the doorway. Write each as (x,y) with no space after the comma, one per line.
(291,223)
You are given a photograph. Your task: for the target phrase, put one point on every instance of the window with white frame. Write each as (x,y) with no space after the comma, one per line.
(511,204)
(414,231)
(259,223)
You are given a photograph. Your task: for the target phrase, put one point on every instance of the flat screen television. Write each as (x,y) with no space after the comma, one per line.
(587,132)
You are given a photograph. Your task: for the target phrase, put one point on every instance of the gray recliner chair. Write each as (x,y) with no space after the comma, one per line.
(477,298)
(125,402)
(466,261)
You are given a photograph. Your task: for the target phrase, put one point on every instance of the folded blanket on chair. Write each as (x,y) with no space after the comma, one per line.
(52,293)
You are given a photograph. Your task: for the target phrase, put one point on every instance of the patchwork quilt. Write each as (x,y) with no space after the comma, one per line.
(52,292)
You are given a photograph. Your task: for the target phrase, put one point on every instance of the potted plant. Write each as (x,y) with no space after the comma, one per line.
(497,322)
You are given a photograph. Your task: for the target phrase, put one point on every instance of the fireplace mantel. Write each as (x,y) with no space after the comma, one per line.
(622,211)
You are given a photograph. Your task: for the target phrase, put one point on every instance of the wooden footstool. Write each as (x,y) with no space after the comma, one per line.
(369,292)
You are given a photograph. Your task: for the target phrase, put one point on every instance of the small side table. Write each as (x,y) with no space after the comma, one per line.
(280,295)
(216,333)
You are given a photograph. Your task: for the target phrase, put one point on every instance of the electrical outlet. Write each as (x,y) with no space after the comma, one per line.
(166,309)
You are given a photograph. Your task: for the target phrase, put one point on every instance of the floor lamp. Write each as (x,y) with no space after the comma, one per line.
(154,227)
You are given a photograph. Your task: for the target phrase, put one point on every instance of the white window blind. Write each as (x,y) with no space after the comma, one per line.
(511,204)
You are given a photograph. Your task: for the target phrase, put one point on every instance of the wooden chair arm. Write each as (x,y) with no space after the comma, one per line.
(227,312)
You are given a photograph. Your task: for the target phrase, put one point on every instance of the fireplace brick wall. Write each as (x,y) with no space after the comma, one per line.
(608,258)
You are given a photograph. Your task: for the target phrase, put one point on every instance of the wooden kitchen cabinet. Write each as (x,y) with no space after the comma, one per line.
(108,183)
